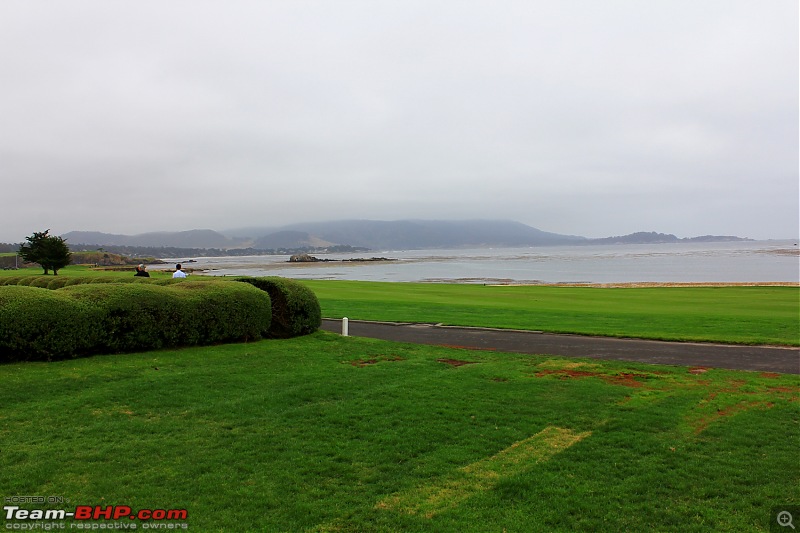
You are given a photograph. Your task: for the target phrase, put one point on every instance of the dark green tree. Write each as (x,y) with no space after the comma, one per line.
(50,252)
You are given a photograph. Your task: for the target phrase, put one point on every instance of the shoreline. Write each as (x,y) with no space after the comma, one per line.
(755,264)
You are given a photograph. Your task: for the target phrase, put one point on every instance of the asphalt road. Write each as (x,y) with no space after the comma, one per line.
(737,357)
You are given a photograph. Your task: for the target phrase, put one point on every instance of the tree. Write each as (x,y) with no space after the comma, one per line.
(48,251)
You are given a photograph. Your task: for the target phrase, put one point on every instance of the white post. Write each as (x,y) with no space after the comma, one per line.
(345,332)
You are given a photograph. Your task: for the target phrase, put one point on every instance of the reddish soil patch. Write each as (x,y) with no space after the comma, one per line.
(565,373)
(698,370)
(704,422)
(627,380)
(364,362)
(456,362)
(770,375)
(368,362)
(783,389)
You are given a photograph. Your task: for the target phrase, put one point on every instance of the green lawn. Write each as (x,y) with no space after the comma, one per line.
(330,433)
(747,315)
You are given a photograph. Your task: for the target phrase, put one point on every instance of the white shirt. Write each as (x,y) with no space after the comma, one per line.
(179,274)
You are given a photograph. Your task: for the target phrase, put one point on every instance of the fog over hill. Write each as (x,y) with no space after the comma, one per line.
(199,238)
(410,234)
(370,234)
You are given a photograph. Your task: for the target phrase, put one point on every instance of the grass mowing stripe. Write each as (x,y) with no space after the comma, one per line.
(484,474)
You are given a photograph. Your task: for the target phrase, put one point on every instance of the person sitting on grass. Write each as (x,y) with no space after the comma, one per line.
(141,271)
(179,273)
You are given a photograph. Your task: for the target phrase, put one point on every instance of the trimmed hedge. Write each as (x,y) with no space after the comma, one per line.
(41,281)
(295,307)
(227,314)
(57,283)
(38,324)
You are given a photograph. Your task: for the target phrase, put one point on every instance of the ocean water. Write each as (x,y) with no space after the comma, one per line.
(727,262)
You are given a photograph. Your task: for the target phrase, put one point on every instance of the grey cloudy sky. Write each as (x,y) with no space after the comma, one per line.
(588,117)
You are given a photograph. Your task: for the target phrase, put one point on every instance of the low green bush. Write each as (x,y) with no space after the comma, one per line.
(90,318)
(295,307)
(44,325)
(225,312)
(136,319)
(131,316)
(57,282)
(139,316)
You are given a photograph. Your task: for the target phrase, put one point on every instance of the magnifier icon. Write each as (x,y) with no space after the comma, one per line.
(785,519)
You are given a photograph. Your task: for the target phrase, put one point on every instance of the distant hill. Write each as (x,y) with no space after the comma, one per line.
(411,234)
(651,237)
(365,234)
(289,239)
(198,238)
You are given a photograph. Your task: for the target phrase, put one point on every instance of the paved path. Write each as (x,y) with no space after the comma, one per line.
(758,358)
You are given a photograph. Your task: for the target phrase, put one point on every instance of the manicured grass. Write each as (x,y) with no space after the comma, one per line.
(326,433)
(746,315)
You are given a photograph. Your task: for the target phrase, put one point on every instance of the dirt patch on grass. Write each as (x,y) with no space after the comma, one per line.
(373,361)
(625,379)
(456,362)
(790,390)
(698,370)
(731,400)
(364,362)
(702,423)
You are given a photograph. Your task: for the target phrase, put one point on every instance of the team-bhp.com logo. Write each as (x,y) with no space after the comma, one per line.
(93,517)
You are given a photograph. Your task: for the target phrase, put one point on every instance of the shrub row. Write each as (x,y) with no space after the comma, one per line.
(37,324)
(295,307)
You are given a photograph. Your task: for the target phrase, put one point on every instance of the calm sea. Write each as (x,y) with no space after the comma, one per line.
(751,261)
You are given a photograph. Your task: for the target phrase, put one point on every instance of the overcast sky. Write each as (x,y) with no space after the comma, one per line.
(586,117)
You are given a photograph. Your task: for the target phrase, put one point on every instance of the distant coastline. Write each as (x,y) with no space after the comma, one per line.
(355,236)
(746,262)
